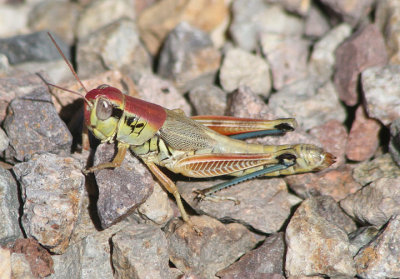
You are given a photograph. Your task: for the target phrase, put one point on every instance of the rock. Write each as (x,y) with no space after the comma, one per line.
(4,140)
(380,258)
(4,65)
(208,100)
(361,237)
(9,207)
(316,24)
(115,47)
(381,167)
(157,207)
(219,246)
(265,204)
(251,19)
(363,137)
(240,68)
(5,263)
(35,117)
(18,15)
(101,13)
(394,144)
(364,49)
(57,16)
(300,7)
(316,244)
(20,267)
(140,251)
(376,203)
(161,92)
(333,137)
(322,60)
(351,12)
(279,51)
(317,105)
(38,258)
(266,259)
(158,20)
(52,191)
(337,183)
(381,92)
(188,58)
(32,47)
(67,265)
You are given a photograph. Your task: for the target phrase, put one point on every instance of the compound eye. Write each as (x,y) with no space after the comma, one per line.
(103,109)
(103,86)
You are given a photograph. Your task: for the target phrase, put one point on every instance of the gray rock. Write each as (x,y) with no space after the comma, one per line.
(318,105)
(299,7)
(208,100)
(279,50)
(32,47)
(362,237)
(52,191)
(9,208)
(266,259)
(351,12)
(140,251)
(102,13)
(217,247)
(381,92)
(316,24)
(394,144)
(116,46)
(188,58)
(265,204)
(376,203)
(35,117)
(5,260)
(123,189)
(316,244)
(4,65)
(240,68)
(380,258)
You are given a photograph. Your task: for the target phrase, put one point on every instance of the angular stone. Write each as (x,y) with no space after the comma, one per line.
(240,68)
(351,12)
(9,207)
(337,183)
(123,189)
(316,24)
(380,258)
(15,14)
(203,255)
(279,51)
(300,7)
(394,144)
(159,19)
(140,251)
(52,191)
(208,100)
(364,49)
(266,259)
(376,203)
(20,267)
(35,117)
(31,47)
(188,58)
(363,137)
(102,13)
(316,244)
(265,204)
(5,263)
(381,92)
(116,46)
(362,237)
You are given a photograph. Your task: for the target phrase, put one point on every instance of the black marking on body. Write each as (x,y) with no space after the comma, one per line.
(117,112)
(284,127)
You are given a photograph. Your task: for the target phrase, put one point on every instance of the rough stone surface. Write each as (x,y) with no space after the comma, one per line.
(394,144)
(34,116)
(362,237)
(18,15)
(218,246)
(316,24)
(376,203)
(123,189)
(381,92)
(350,11)
(52,191)
(188,58)
(265,260)
(363,49)
(380,258)
(316,244)
(208,100)
(158,20)
(9,206)
(240,68)
(264,205)
(20,267)
(140,251)
(5,263)
(116,46)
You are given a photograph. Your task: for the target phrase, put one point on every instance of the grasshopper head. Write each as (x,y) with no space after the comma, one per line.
(104,107)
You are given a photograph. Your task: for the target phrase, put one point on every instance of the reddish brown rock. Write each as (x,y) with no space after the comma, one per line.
(365,48)
(363,137)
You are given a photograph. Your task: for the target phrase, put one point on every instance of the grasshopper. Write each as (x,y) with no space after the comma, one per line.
(201,146)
